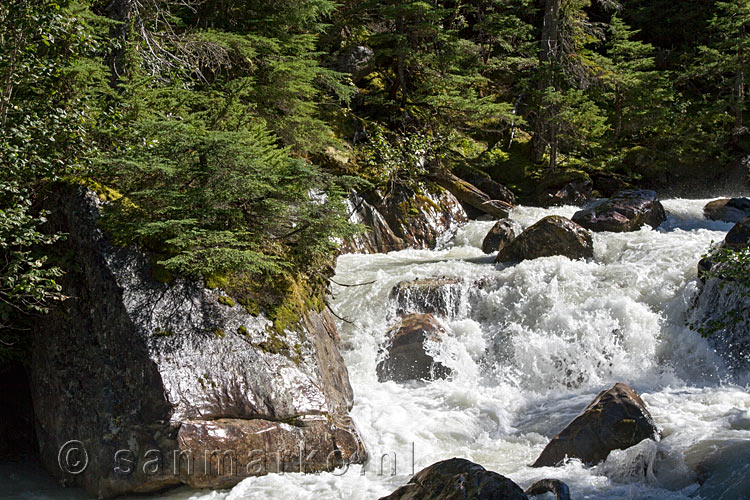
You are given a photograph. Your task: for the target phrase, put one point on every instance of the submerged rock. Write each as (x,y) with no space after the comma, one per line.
(441,296)
(502,233)
(553,235)
(458,479)
(727,209)
(404,219)
(167,372)
(554,486)
(626,211)
(407,356)
(615,420)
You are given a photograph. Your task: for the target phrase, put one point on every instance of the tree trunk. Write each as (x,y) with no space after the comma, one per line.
(122,12)
(548,54)
(740,82)
(618,113)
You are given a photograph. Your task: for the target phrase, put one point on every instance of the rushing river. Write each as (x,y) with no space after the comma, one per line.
(529,348)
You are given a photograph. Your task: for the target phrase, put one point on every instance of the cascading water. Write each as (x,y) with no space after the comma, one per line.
(530,345)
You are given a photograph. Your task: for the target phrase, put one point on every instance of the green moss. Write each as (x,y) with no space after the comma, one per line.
(162,333)
(217,281)
(219,333)
(227,301)
(297,358)
(242,330)
(251,307)
(274,345)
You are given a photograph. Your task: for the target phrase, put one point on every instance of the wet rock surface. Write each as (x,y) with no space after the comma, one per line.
(553,235)
(728,209)
(308,444)
(404,219)
(501,235)
(720,311)
(441,296)
(616,419)
(458,479)
(739,236)
(407,350)
(128,361)
(626,211)
(377,237)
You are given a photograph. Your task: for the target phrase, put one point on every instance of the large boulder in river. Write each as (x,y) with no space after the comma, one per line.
(626,211)
(458,479)
(502,233)
(441,296)
(151,378)
(407,350)
(553,235)
(727,209)
(615,420)
(739,236)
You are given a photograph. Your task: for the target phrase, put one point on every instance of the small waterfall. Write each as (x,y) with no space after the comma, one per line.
(529,346)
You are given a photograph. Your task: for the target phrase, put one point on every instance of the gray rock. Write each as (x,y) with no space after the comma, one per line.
(441,296)
(406,351)
(720,310)
(357,61)
(378,236)
(130,363)
(626,211)
(739,236)
(728,209)
(405,219)
(615,420)
(552,235)
(501,235)
(458,479)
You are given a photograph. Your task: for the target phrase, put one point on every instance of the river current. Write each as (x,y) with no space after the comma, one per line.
(530,345)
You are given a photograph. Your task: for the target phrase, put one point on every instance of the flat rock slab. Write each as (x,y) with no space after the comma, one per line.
(219,453)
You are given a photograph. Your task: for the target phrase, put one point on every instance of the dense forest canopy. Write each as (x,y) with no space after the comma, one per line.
(226,134)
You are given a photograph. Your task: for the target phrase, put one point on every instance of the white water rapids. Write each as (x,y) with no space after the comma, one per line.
(529,349)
